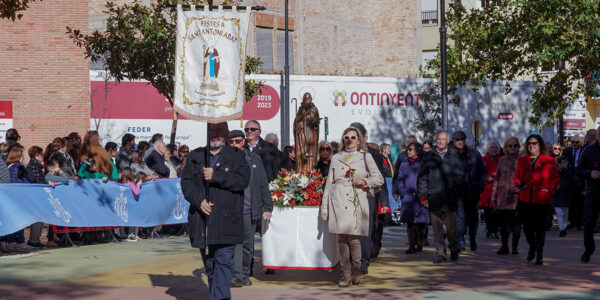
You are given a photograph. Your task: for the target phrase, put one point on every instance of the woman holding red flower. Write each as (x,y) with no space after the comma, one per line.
(353,174)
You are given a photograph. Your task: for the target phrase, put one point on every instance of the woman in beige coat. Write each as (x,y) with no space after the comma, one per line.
(347,215)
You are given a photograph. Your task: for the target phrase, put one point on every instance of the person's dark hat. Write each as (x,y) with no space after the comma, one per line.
(236,133)
(459,135)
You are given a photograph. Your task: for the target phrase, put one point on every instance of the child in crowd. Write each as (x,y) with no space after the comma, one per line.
(562,198)
(88,170)
(135,185)
(54,174)
(18,174)
(35,173)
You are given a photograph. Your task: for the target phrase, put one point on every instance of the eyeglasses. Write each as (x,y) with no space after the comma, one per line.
(532,143)
(251,129)
(458,140)
(236,141)
(184,151)
(556,148)
(575,142)
(350,137)
(513,146)
(325,149)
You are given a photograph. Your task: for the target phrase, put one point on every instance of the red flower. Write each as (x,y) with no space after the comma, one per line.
(350,171)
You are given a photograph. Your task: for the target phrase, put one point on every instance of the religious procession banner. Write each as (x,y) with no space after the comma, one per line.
(210,63)
(91,203)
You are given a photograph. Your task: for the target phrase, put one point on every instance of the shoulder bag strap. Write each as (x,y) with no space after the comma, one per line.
(530,166)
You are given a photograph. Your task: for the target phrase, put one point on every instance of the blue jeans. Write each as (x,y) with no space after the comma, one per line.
(17,237)
(219,267)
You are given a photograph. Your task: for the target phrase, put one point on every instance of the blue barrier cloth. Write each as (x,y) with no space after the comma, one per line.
(91,203)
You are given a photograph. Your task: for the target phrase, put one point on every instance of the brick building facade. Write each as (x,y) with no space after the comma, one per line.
(47,77)
(329,37)
(44,75)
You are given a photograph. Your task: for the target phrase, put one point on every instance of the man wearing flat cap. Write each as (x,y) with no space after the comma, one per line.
(213,181)
(257,205)
(467,214)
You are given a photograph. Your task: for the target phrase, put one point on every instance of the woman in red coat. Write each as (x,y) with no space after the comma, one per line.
(537,179)
(490,159)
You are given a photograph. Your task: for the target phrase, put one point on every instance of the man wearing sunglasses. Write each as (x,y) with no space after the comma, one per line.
(576,208)
(269,154)
(257,205)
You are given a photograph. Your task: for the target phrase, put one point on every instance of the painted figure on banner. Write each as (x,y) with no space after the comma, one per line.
(211,64)
(306,134)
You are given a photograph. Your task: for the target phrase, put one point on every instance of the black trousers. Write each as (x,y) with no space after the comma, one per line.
(508,220)
(534,217)
(366,242)
(416,233)
(378,235)
(491,220)
(590,219)
(471,206)
(576,209)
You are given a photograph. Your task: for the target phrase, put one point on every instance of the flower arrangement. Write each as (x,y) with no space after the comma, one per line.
(291,188)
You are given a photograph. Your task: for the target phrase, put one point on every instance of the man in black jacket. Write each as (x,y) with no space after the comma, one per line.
(588,167)
(577,199)
(257,205)
(440,181)
(371,244)
(213,181)
(269,154)
(467,214)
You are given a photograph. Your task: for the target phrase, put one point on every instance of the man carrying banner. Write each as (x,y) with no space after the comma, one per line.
(216,196)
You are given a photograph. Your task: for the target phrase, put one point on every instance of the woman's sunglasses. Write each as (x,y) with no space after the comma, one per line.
(350,137)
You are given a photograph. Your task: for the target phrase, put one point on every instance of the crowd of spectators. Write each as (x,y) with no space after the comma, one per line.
(73,158)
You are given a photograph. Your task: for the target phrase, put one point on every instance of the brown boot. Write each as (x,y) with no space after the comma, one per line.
(344,261)
(355,252)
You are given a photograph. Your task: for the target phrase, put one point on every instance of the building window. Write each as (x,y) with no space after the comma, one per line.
(429,12)
(553,66)
(264,48)
(281,51)
(427,56)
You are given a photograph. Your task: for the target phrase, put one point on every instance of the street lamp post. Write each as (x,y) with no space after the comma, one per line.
(285,131)
(443,64)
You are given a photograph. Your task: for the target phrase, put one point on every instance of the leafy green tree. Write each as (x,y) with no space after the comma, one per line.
(516,40)
(11,9)
(139,43)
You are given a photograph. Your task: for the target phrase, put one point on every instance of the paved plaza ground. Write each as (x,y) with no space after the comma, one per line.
(170,269)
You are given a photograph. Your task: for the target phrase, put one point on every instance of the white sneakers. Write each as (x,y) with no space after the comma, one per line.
(131,238)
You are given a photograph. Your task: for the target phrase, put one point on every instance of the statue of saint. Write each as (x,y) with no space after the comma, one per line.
(306,134)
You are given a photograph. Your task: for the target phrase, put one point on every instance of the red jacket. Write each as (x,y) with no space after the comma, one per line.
(485,199)
(542,176)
